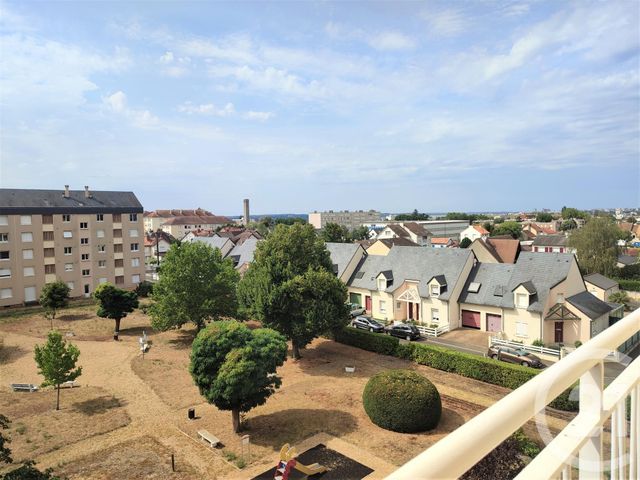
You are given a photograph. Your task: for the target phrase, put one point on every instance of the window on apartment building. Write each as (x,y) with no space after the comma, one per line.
(84,241)
(522,300)
(435,316)
(4,237)
(102,280)
(49,252)
(28,272)
(27,237)
(4,220)
(86,272)
(27,254)
(25,219)
(434,290)
(117,218)
(47,236)
(119,263)
(135,262)
(100,233)
(84,225)
(66,218)
(135,247)
(117,233)
(522,329)
(49,269)
(5,272)
(84,256)
(102,248)
(67,250)
(99,217)
(6,293)
(135,278)
(67,234)
(71,285)
(102,264)
(47,219)
(4,255)
(382,306)
(120,280)
(133,217)
(117,248)
(68,267)
(133,233)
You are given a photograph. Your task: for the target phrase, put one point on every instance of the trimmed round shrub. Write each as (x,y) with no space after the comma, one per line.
(402,401)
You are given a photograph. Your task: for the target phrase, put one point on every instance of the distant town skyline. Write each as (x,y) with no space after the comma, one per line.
(302,106)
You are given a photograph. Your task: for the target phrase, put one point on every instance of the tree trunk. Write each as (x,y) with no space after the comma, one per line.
(58,400)
(235,416)
(117,332)
(295,350)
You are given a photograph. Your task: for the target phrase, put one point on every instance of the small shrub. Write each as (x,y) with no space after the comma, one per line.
(630,285)
(537,343)
(241,463)
(229,455)
(374,342)
(144,289)
(402,401)
(527,446)
(577,343)
(21,428)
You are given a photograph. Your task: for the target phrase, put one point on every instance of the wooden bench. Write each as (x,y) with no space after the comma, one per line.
(207,437)
(24,387)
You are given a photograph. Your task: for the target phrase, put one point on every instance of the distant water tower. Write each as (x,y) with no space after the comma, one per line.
(246,218)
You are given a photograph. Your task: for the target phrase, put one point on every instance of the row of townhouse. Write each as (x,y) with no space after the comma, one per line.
(178,223)
(533,297)
(239,248)
(83,238)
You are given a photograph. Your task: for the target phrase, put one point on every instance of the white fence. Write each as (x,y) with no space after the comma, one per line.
(580,446)
(528,348)
(433,332)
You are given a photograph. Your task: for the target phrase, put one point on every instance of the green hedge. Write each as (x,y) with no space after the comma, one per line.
(374,342)
(468,365)
(402,401)
(630,285)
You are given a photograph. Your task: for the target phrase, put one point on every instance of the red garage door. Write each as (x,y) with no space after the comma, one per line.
(470,319)
(494,323)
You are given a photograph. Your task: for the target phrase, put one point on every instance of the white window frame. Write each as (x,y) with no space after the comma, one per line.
(133,232)
(5,273)
(382,306)
(84,225)
(4,238)
(382,283)
(28,272)
(4,220)
(435,316)
(84,257)
(102,264)
(135,278)
(26,255)
(3,293)
(68,251)
(66,217)
(99,217)
(68,267)
(84,241)
(71,285)
(88,272)
(133,217)
(434,290)
(67,234)
(100,233)
(522,330)
(102,248)
(137,247)
(525,300)
(26,237)
(135,262)
(25,219)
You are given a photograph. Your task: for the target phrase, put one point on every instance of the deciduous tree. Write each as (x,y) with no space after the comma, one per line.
(543,217)
(53,297)
(195,285)
(235,367)
(360,233)
(465,242)
(56,362)
(332,232)
(507,228)
(115,303)
(596,245)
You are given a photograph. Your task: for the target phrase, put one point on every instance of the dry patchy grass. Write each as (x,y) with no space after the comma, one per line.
(37,428)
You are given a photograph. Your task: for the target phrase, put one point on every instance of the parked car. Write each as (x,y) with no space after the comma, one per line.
(367,323)
(514,355)
(355,310)
(403,330)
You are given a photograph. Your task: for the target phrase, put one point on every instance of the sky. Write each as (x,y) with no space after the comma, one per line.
(441,106)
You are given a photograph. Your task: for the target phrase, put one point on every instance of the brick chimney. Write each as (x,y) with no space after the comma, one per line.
(87,193)
(66,191)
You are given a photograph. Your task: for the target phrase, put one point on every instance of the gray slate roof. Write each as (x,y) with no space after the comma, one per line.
(550,241)
(215,241)
(600,281)
(410,263)
(244,253)
(15,201)
(543,271)
(589,304)
(627,259)
(341,254)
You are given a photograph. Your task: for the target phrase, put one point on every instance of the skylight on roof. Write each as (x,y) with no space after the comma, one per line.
(474,287)
(359,275)
(499,291)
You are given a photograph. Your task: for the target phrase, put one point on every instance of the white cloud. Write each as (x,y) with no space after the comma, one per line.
(446,23)
(117,103)
(260,116)
(166,58)
(391,41)
(207,109)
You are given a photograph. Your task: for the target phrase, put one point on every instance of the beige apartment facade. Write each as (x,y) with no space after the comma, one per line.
(80,237)
(351,220)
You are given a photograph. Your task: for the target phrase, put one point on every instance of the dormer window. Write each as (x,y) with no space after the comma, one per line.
(382,283)
(522,300)
(434,290)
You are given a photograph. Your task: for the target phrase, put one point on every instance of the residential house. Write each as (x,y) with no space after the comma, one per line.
(153,220)
(538,297)
(501,249)
(181,226)
(473,232)
(625,260)
(443,242)
(225,245)
(601,286)
(81,237)
(242,255)
(551,244)
(542,228)
(384,245)
(409,283)
(345,258)
(156,245)
(408,230)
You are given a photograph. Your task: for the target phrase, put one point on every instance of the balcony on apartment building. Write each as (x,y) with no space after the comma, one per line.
(605,410)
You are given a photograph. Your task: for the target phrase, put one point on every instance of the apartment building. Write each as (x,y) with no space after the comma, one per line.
(346,218)
(83,238)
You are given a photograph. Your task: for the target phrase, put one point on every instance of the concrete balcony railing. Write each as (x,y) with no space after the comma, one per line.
(579,447)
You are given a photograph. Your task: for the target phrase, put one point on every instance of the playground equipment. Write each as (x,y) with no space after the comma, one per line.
(288,461)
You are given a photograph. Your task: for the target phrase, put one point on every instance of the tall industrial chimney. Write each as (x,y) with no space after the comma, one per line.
(246,217)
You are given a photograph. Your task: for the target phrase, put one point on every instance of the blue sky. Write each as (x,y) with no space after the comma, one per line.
(440,106)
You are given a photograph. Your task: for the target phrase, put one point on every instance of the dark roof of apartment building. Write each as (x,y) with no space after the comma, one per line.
(15,201)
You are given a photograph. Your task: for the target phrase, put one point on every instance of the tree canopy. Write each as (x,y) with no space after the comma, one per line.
(569,224)
(596,245)
(235,367)
(291,286)
(544,217)
(333,232)
(472,217)
(360,233)
(195,285)
(54,296)
(56,361)
(413,216)
(465,242)
(569,212)
(115,303)
(507,228)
